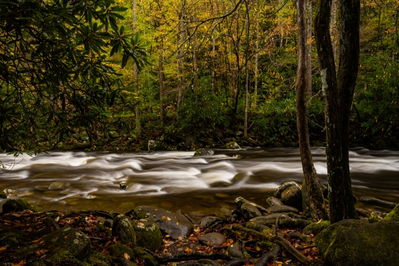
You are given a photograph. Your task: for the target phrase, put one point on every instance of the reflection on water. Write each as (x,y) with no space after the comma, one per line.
(177,180)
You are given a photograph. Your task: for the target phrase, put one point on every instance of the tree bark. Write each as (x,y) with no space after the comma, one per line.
(181,55)
(309,48)
(246,71)
(161,89)
(135,74)
(256,56)
(338,93)
(316,200)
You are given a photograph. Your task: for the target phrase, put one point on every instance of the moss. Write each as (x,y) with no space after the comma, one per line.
(316,228)
(392,215)
(148,234)
(145,257)
(266,245)
(19,205)
(119,250)
(3,195)
(352,242)
(98,258)
(373,219)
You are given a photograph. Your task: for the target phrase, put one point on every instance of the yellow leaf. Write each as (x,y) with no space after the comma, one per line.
(126,256)
(3,248)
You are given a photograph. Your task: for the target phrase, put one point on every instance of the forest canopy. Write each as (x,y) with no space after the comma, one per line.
(114,74)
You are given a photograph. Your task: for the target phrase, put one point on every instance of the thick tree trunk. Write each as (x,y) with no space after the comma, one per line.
(318,209)
(309,48)
(181,55)
(246,71)
(338,95)
(161,89)
(256,56)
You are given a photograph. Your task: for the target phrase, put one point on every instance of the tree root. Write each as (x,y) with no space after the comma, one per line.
(275,239)
(192,256)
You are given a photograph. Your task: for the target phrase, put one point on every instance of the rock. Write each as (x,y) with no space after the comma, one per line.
(378,202)
(210,221)
(148,234)
(232,145)
(316,228)
(41,188)
(352,242)
(362,212)
(273,201)
(66,242)
(124,228)
(292,196)
(282,208)
(143,256)
(3,195)
(249,211)
(11,239)
(283,187)
(57,186)
(392,215)
(174,224)
(204,152)
(119,250)
(15,205)
(240,201)
(234,250)
(10,193)
(212,239)
(123,185)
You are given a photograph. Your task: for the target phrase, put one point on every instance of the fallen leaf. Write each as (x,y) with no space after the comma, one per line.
(188,250)
(3,248)
(41,252)
(126,256)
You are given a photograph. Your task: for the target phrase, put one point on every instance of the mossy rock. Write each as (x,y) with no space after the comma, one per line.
(353,242)
(15,205)
(141,255)
(98,259)
(316,228)
(392,215)
(123,227)
(11,239)
(148,234)
(3,195)
(66,243)
(119,250)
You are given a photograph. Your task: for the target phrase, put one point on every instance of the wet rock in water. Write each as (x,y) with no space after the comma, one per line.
(292,196)
(282,208)
(57,186)
(3,195)
(392,215)
(204,152)
(123,227)
(148,234)
(378,202)
(283,187)
(249,211)
(273,201)
(174,224)
(234,250)
(14,205)
(41,188)
(212,239)
(353,242)
(232,145)
(123,185)
(67,242)
(10,193)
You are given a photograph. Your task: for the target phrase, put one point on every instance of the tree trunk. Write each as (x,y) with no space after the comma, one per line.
(135,74)
(395,35)
(256,56)
(246,71)
(309,48)
(161,89)
(338,96)
(181,55)
(318,209)
(334,32)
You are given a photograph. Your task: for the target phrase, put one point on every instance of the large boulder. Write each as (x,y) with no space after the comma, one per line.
(292,196)
(353,242)
(15,205)
(174,224)
(283,187)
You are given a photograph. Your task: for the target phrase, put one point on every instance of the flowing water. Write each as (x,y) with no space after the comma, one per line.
(178,180)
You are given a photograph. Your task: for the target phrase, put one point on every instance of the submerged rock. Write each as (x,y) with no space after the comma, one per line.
(378,202)
(353,242)
(57,186)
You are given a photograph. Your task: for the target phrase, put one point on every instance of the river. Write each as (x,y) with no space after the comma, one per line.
(178,180)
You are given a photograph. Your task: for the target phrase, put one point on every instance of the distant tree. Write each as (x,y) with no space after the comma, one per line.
(338,90)
(53,65)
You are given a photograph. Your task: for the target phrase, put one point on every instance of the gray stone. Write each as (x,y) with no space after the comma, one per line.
(212,239)
(273,201)
(282,208)
(204,152)
(292,196)
(123,227)
(232,145)
(249,211)
(234,250)
(148,234)
(283,186)
(377,202)
(57,186)
(174,224)
(353,242)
